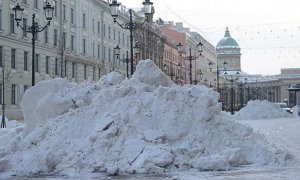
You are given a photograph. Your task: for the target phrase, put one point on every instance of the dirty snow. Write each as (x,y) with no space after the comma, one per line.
(145,124)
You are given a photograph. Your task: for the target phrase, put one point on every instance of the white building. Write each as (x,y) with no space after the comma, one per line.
(78,44)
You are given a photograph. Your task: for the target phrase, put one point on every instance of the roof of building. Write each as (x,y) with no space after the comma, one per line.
(227,41)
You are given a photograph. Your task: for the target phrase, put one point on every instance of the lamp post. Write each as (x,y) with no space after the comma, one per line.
(3,123)
(200,75)
(126,60)
(170,73)
(210,64)
(114,9)
(232,80)
(33,29)
(178,74)
(165,68)
(190,57)
(241,84)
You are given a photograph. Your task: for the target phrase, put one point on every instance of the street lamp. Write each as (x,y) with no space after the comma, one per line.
(190,57)
(225,64)
(170,73)
(242,83)
(200,75)
(114,9)
(231,80)
(33,29)
(178,74)
(126,60)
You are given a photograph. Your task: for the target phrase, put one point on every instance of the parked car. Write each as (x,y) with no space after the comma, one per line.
(284,106)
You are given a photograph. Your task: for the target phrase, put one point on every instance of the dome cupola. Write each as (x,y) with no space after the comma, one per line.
(227,42)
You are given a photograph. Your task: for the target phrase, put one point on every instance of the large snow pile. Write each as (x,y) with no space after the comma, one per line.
(261,110)
(143,125)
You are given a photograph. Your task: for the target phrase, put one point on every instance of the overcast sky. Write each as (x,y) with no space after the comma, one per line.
(268,31)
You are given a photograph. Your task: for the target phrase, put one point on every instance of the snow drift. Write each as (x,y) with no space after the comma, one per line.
(146,124)
(261,110)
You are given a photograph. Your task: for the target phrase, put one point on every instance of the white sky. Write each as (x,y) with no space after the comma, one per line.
(268,31)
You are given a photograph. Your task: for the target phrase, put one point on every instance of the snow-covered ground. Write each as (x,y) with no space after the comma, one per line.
(140,126)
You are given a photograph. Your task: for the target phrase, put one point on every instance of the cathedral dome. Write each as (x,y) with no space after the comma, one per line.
(227,42)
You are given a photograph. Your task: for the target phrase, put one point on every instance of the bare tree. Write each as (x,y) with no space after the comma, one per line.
(5,76)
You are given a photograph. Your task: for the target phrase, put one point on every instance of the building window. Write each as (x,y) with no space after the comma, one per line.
(72,43)
(13,58)
(93,25)
(119,37)
(55,8)
(56,66)
(104,53)
(73,69)
(66,69)
(93,50)
(109,32)
(98,51)
(99,73)
(25,88)
(1,93)
(114,34)
(25,1)
(37,62)
(94,73)
(13,94)
(24,24)
(55,37)
(84,46)
(104,30)
(72,16)
(37,34)
(46,35)
(123,38)
(64,40)
(36,5)
(83,21)
(47,64)
(12,23)
(84,71)
(0,18)
(98,27)
(109,54)
(25,61)
(1,56)
(64,12)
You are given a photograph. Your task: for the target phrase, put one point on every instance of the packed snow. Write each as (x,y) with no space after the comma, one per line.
(146,124)
(261,110)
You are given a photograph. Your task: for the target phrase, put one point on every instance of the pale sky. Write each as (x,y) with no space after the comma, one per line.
(268,31)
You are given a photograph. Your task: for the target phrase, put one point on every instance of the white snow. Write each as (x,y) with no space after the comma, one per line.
(261,110)
(146,124)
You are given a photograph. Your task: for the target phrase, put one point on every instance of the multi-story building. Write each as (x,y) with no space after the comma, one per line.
(174,65)
(201,74)
(149,39)
(78,44)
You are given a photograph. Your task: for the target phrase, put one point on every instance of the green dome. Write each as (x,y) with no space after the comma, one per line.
(227,41)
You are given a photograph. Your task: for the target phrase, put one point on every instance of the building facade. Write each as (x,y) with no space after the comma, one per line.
(78,44)
(201,74)
(229,51)
(238,87)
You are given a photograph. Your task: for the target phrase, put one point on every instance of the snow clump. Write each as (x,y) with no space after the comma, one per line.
(146,124)
(261,110)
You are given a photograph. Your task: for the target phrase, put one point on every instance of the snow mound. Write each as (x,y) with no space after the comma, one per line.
(146,124)
(261,110)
